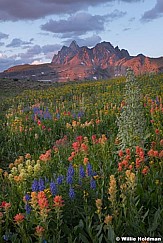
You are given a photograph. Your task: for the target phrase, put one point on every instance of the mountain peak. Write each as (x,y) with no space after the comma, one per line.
(74,45)
(103,56)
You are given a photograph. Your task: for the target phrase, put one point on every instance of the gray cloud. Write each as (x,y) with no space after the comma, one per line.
(3,36)
(2,43)
(21,58)
(116,14)
(80,23)
(126,29)
(30,10)
(47,51)
(132,19)
(50,48)
(77,24)
(131,1)
(31,52)
(16,42)
(154,13)
(6,62)
(32,55)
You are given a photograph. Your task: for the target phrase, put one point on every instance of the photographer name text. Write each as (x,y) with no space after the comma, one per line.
(137,239)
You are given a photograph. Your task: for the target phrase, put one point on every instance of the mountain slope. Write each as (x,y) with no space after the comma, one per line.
(105,56)
(78,63)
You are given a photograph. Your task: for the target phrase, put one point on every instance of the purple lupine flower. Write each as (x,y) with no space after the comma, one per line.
(53,188)
(89,169)
(70,171)
(81,172)
(28,208)
(92,184)
(36,110)
(35,187)
(6,237)
(80,114)
(94,173)
(27,197)
(41,184)
(44,241)
(71,193)
(69,179)
(47,115)
(60,180)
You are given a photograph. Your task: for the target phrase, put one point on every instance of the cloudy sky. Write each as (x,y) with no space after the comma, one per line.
(31,31)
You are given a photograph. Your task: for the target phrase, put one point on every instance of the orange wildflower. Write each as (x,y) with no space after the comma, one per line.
(42,200)
(45,157)
(17,178)
(5,174)
(99,205)
(108,219)
(34,199)
(11,165)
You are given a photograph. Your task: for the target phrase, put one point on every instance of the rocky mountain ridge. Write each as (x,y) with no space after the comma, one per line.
(78,63)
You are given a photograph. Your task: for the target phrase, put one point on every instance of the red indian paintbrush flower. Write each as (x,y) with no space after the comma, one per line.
(5,205)
(39,230)
(58,201)
(19,218)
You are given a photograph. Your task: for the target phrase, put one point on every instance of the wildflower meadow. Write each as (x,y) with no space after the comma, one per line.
(83,162)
